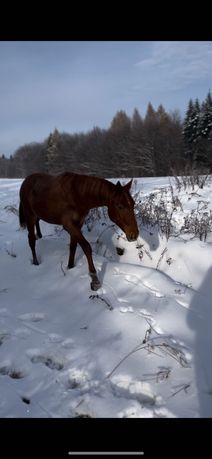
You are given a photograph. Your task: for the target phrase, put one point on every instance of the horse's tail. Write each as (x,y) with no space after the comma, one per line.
(22,219)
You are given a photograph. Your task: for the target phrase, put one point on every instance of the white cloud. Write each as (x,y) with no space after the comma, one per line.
(178,63)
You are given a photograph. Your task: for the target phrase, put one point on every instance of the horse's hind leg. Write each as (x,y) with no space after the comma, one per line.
(73,246)
(39,234)
(32,240)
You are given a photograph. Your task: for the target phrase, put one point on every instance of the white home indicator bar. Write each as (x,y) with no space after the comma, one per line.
(106,453)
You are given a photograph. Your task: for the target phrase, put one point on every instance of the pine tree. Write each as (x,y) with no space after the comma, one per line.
(120,122)
(162,115)
(119,138)
(206,117)
(137,121)
(158,136)
(54,158)
(203,153)
(150,113)
(191,129)
(141,157)
(191,122)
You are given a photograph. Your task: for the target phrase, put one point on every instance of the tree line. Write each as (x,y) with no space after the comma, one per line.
(159,144)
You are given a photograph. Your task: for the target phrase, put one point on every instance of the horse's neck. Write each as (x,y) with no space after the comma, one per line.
(97,193)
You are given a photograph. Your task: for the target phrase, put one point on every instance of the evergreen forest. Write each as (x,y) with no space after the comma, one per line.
(158,144)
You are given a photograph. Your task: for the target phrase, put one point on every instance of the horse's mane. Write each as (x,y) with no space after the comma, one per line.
(88,185)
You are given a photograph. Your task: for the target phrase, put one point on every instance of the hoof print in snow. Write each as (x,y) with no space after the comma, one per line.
(78,379)
(54,338)
(13,373)
(124,309)
(32,317)
(124,386)
(48,361)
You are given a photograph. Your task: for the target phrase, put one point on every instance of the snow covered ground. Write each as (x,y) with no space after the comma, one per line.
(140,347)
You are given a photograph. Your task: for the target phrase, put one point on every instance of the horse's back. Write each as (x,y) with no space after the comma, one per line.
(33,179)
(43,195)
(35,184)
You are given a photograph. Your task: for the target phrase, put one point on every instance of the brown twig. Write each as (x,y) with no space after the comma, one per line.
(185,387)
(93,297)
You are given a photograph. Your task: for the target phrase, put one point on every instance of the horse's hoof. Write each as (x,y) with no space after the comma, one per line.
(35,262)
(70,266)
(95,285)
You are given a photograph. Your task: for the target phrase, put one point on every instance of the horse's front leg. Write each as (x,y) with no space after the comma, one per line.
(95,283)
(77,237)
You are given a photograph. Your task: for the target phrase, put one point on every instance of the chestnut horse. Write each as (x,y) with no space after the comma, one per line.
(66,200)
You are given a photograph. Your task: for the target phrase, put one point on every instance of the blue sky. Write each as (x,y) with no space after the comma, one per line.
(76,85)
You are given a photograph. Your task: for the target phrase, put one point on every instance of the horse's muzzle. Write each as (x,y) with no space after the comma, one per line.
(132,237)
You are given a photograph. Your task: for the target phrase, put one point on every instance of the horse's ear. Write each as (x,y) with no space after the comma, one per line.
(128,185)
(118,186)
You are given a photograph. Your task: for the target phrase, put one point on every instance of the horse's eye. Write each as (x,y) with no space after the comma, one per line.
(119,206)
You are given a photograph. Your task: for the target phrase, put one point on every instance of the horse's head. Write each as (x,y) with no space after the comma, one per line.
(121,211)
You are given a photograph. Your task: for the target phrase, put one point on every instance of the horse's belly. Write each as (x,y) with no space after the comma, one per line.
(56,214)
